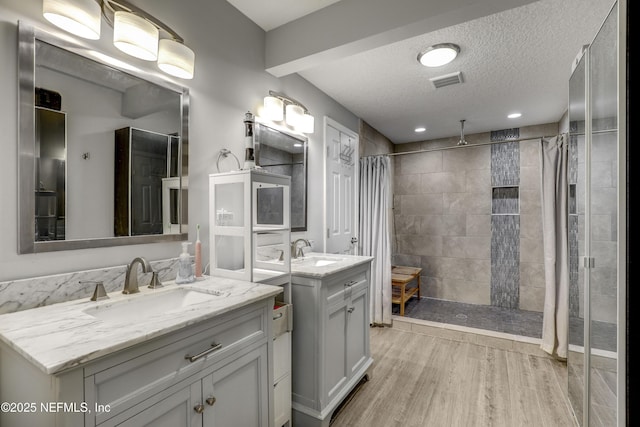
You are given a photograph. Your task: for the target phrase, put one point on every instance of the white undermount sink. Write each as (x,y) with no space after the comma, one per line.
(317,261)
(140,306)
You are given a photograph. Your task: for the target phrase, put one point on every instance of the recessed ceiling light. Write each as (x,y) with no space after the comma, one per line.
(438,54)
(420,129)
(514,115)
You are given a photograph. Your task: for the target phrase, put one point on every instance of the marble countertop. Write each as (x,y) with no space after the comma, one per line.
(311,265)
(63,335)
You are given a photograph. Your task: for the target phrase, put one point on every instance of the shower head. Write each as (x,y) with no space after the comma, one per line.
(462,140)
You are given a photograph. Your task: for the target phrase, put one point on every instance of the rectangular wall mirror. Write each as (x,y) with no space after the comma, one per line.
(285,153)
(103,152)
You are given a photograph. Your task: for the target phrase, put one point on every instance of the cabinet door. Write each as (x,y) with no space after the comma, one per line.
(335,351)
(238,393)
(357,328)
(175,410)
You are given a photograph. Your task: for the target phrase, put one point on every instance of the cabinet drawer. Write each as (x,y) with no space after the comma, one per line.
(347,289)
(127,383)
(281,356)
(282,401)
(282,318)
(339,284)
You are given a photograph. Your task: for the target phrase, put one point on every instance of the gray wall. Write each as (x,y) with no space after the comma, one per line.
(443,221)
(230,79)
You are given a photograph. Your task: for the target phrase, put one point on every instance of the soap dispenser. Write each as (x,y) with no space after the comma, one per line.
(185,271)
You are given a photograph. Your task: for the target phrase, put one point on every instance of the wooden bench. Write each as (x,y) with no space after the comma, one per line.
(401,276)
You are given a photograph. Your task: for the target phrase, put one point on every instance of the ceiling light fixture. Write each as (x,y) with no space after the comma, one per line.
(135,32)
(278,107)
(420,129)
(514,115)
(438,54)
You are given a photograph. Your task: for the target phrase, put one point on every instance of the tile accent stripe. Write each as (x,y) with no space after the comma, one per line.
(505,261)
(505,164)
(505,134)
(505,225)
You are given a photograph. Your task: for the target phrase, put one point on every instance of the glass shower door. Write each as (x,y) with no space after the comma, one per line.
(603,214)
(576,222)
(592,363)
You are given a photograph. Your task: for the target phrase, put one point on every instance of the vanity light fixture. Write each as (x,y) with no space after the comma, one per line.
(79,17)
(420,129)
(273,108)
(293,115)
(278,107)
(135,36)
(135,32)
(514,115)
(438,54)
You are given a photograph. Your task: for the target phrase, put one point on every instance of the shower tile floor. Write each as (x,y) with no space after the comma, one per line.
(498,319)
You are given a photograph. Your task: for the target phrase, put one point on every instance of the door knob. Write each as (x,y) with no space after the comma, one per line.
(199,408)
(210,401)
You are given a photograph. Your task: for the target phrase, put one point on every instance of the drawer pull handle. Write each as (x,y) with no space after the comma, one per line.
(199,408)
(349,284)
(214,347)
(211,400)
(351,309)
(277,316)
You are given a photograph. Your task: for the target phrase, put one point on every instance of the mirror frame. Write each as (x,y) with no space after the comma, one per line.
(27,36)
(300,137)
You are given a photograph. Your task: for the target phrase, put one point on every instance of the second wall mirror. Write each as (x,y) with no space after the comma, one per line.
(285,153)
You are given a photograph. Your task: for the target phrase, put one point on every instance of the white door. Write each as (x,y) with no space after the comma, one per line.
(341,188)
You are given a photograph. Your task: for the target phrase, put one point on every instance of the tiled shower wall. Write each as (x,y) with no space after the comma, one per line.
(443,221)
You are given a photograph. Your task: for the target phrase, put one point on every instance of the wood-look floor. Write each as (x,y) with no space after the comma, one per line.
(419,380)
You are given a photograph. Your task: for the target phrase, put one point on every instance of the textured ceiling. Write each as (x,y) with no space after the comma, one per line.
(516,60)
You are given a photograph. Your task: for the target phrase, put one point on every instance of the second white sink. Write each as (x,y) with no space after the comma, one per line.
(139,307)
(317,261)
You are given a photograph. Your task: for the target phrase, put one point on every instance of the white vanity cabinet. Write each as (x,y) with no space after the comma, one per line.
(331,351)
(213,373)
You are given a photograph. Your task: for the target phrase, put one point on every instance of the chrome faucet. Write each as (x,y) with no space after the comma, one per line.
(131,278)
(296,251)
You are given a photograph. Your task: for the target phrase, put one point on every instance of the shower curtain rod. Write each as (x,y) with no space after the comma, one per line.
(457,146)
(483,143)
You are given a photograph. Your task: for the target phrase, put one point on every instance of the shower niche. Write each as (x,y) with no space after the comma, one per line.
(505,201)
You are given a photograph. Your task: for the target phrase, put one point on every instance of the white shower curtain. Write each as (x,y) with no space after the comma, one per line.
(554,188)
(374,233)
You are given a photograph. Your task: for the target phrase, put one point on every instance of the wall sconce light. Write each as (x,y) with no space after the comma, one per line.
(135,32)
(278,107)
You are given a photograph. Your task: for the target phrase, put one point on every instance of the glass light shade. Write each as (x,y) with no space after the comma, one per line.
(79,17)
(273,108)
(307,123)
(135,36)
(293,115)
(176,59)
(439,54)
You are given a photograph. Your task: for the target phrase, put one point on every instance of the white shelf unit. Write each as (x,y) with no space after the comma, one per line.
(250,237)
(250,230)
